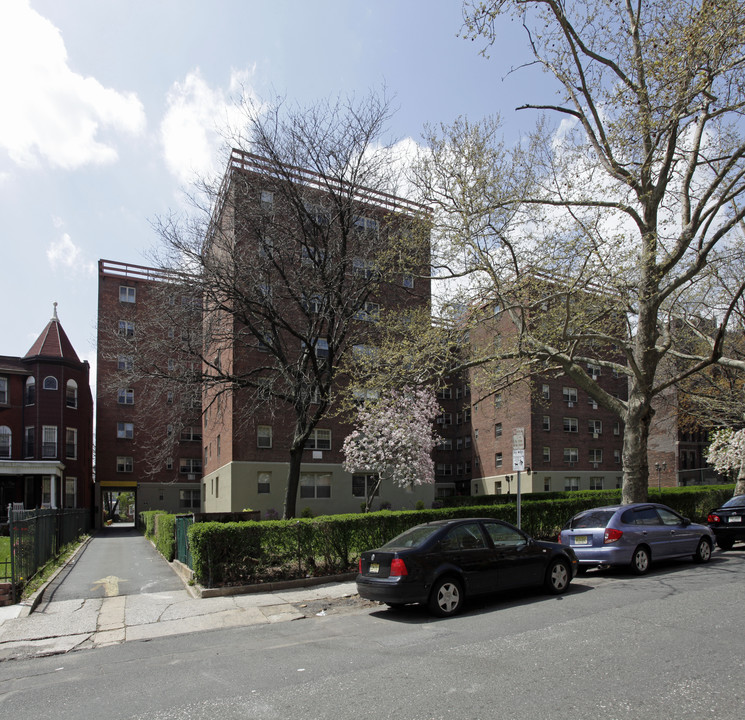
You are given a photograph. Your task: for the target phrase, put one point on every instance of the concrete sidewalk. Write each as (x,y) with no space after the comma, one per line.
(59,627)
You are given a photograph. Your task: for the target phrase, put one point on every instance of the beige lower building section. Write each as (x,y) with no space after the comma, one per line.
(537,482)
(325,489)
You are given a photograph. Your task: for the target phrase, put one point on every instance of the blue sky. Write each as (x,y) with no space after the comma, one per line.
(110,106)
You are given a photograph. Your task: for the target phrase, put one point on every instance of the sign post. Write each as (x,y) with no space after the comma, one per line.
(518,463)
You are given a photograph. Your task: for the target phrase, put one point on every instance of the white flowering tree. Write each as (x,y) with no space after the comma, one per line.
(727,454)
(394,439)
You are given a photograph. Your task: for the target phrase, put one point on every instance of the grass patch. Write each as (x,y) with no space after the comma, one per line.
(48,570)
(4,555)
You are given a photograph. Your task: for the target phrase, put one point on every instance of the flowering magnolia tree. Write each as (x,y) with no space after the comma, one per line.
(727,454)
(394,439)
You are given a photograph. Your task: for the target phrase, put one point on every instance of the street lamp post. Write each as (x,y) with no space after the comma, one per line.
(659,468)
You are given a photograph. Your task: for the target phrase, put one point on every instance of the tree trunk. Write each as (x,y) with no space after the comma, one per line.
(293,480)
(635,444)
(740,484)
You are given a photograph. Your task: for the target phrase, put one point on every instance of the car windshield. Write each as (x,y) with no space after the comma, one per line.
(411,538)
(737,501)
(591,519)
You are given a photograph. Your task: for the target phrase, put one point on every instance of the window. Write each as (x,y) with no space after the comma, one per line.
(127,294)
(124,464)
(571,424)
(71,396)
(444,419)
(29,442)
(126,396)
(571,455)
(322,348)
(315,485)
(363,268)
(30,391)
(50,383)
(169,397)
(596,455)
(445,444)
(190,466)
(369,313)
(545,392)
(49,441)
(5,441)
(408,280)
(125,430)
(459,443)
(593,371)
(547,484)
(595,427)
(71,485)
(264,436)
(596,483)
(444,469)
(571,484)
(71,443)
(616,428)
(264,483)
(617,457)
(169,463)
(363,485)
(312,255)
(4,397)
(444,393)
(124,362)
(319,440)
(467,467)
(497,400)
(191,434)
(546,422)
(366,224)
(267,201)
(569,394)
(126,328)
(313,304)
(189,499)
(498,430)
(546,454)
(466,537)
(498,460)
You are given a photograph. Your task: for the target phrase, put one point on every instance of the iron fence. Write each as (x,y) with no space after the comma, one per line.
(183,551)
(38,536)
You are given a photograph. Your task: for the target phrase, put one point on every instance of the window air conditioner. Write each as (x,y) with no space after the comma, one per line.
(191,476)
(570,404)
(595,436)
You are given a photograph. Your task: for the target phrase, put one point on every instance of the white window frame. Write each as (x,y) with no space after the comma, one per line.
(315,486)
(48,438)
(125,396)
(125,430)
(124,464)
(127,294)
(264,436)
(71,438)
(319,439)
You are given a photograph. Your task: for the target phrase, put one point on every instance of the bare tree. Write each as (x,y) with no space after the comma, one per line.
(289,257)
(605,241)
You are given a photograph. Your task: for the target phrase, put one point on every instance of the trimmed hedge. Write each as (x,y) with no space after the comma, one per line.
(256,552)
(147,520)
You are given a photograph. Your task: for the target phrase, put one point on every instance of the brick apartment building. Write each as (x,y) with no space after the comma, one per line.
(246,455)
(46,425)
(145,440)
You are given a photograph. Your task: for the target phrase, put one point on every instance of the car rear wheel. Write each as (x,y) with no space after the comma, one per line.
(725,544)
(557,577)
(703,551)
(640,561)
(446,597)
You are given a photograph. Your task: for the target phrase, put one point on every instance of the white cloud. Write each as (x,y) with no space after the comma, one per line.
(49,111)
(196,123)
(64,254)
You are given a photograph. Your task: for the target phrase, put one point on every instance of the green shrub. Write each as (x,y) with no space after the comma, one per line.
(147,520)
(165,535)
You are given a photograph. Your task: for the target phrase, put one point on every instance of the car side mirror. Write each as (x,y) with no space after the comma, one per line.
(686,522)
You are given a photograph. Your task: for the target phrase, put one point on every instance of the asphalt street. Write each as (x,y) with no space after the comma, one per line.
(666,645)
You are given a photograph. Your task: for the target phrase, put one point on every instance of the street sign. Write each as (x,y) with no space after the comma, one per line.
(518,438)
(518,460)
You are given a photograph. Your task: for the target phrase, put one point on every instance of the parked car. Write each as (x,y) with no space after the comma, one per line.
(728,522)
(443,562)
(634,535)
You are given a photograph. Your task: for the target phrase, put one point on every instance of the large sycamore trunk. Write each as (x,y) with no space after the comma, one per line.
(293,480)
(635,442)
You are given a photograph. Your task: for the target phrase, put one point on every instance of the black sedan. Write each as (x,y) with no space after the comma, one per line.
(443,562)
(728,522)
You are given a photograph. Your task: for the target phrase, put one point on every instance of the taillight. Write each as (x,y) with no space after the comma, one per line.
(713,518)
(558,539)
(611,535)
(398,568)
(360,566)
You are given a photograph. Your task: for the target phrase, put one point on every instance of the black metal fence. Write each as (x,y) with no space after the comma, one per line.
(183,551)
(38,536)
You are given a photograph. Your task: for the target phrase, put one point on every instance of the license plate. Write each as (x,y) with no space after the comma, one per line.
(581,540)
(734,518)
(374,568)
